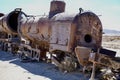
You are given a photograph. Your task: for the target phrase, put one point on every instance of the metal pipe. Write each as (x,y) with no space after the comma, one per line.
(9,23)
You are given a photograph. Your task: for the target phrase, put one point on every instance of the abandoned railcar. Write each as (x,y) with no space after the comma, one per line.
(64,39)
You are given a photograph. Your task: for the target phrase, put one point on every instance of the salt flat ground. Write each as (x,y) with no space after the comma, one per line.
(112,43)
(12,69)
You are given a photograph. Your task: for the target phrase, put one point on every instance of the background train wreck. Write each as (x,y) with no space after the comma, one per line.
(66,40)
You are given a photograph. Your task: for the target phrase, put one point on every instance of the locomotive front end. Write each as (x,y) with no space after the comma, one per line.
(88,36)
(88,30)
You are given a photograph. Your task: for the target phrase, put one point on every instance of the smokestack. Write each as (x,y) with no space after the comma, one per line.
(56,7)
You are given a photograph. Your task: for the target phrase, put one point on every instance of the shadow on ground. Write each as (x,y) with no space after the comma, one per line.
(41,68)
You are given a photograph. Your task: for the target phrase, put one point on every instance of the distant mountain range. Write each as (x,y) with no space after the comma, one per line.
(111,32)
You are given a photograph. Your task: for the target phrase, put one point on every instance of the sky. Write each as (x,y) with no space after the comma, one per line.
(108,9)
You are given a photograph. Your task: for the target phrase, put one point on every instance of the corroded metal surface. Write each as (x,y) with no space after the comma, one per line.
(63,32)
(41,29)
(34,28)
(9,23)
(89,30)
(60,32)
(56,7)
(88,34)
(82,54)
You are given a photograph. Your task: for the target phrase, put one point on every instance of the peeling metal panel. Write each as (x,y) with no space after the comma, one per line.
(82,54)
(35,28)
(60,35)
(61,31)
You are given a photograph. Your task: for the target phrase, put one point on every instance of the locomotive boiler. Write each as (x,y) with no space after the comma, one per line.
(58,33)
(62,31)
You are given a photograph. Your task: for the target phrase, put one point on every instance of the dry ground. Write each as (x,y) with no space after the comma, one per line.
(112,43)
(12,69)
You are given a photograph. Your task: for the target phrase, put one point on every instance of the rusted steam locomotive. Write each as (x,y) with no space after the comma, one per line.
(65,39)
